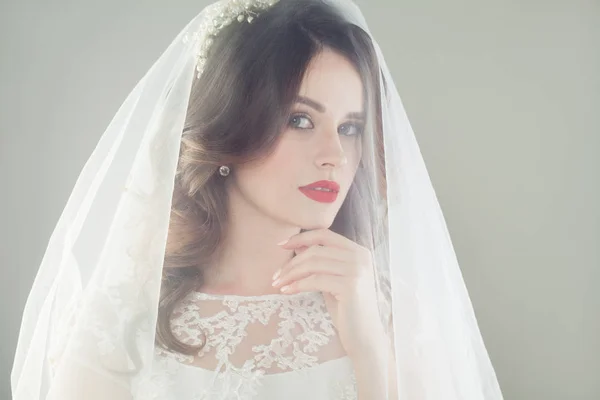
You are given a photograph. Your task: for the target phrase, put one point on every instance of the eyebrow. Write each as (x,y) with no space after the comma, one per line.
(321,108)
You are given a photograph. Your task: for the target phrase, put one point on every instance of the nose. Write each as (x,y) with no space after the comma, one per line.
(331,152)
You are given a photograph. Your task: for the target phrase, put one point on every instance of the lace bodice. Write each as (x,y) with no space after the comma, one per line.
(264,347)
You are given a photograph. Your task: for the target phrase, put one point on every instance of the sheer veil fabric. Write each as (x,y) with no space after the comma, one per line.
(89,328)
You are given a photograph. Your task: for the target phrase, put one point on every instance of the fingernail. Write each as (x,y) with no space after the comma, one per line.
(276,282)
(276,274)
(285,289)
(283,242)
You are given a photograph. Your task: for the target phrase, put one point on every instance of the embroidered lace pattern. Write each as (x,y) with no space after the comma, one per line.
(244,339)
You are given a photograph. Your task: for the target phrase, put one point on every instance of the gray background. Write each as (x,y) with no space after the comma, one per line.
(503,97)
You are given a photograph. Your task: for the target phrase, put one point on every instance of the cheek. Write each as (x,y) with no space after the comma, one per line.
(272,176)
(281,164)
(353,150)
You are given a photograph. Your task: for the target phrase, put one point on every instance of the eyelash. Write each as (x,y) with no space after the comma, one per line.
(357,125)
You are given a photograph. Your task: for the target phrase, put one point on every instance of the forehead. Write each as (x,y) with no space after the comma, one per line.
(332,80)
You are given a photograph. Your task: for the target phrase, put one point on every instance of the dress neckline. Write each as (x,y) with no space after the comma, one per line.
(199,295)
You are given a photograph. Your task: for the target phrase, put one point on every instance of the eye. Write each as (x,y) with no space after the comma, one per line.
(351,129)
(300,121)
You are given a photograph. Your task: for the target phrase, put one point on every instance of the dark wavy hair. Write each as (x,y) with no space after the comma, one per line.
(237,109)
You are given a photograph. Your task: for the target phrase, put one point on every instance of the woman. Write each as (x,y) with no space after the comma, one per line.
(277,235)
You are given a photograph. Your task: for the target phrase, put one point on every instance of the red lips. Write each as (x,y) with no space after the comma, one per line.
(321,191)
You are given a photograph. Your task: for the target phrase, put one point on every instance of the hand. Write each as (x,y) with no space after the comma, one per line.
(343,271)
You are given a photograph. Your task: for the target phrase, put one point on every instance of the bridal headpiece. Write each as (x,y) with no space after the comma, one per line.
(220,15)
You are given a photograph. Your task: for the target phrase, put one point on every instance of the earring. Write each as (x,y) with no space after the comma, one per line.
(224,170)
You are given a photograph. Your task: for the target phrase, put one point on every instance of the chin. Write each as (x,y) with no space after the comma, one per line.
(310,224)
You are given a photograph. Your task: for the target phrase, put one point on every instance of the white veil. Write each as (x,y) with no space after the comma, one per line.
(97,291)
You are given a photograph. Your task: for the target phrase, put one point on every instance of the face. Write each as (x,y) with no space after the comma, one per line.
(321,142)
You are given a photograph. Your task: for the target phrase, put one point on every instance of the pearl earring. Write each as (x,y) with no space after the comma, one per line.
(224,170)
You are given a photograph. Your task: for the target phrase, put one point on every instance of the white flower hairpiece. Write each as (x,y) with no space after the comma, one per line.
(219,15)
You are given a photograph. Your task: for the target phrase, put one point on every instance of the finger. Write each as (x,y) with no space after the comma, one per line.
(324,237)
(300,250)
(334,285)
(321,266)
(314,253)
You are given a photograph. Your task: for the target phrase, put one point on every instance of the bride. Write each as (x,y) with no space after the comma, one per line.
(255,223)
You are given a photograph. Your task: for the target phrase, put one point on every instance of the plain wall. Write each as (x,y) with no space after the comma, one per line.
(503,96)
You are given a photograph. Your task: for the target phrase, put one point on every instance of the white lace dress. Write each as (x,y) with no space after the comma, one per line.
(268,347)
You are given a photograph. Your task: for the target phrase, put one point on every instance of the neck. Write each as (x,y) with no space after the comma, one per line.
(249,255)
